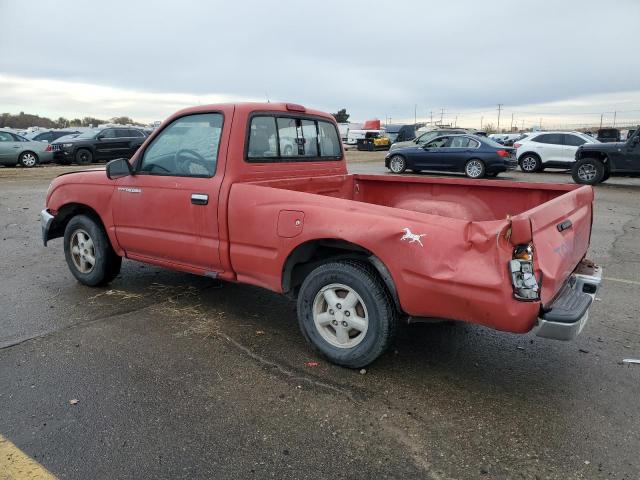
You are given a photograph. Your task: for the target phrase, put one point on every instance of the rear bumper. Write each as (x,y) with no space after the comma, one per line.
(569,312)
(45,223)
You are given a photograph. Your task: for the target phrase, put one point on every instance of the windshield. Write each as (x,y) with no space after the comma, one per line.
(427,137)
(88,134)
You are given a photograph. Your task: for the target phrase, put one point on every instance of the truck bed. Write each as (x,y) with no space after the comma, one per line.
(469,224)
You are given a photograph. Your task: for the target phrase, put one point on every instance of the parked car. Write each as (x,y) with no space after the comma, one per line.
(426,137)
(400,133)
(52,135)
(474,156)
(540,150)
(373,141)
(17,150)
(360,253)
(596,162)
(98,145)
(607,135)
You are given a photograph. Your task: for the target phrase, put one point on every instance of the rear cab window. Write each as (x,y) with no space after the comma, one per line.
(274,137)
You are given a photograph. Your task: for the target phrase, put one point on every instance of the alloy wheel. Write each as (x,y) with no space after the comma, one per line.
(529,164)
(82,251)
(28,160)
(340,315)
(586,172)
(474,168)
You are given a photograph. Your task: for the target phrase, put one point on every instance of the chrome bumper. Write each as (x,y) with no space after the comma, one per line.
(45,222)
(569,312)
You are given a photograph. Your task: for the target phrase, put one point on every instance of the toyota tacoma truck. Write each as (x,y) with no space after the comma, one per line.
(596,162)
(214,192)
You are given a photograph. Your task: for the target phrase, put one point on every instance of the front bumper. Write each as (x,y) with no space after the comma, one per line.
(45,223)
(569,312)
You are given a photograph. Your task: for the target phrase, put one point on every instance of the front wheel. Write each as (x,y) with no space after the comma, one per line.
(474,168)
(84,157)
(397,164)
(345,311)
(88,252)
(588,171)
(28,159)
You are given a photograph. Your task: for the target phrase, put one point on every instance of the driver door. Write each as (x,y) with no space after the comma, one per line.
(166,213)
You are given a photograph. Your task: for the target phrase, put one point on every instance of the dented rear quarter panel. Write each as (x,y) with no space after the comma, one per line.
(459,272)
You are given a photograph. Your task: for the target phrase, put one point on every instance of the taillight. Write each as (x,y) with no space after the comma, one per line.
(525,285)
(503,153)
(517,145)
(49,148)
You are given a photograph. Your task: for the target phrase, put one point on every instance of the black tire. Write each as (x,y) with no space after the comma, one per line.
(397,164)
(530,163)
(588,171)
(106,264)
(84,157)
(475,168)
(607,175)
(28,159)
(380,310)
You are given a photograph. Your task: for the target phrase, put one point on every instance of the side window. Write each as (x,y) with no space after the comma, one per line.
(122,133)
(108,133)
(328,139)
(473,143)
(135,133)
(459,142)
(263,140)
(6,137)
(439,142)
(573,140)
(188,147)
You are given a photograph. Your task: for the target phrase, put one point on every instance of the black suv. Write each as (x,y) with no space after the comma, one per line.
(596,162)
(98,145)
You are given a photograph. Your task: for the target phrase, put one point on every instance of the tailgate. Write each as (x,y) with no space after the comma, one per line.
(561,231)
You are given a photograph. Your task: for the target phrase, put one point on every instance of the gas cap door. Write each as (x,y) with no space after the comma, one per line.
(290,223)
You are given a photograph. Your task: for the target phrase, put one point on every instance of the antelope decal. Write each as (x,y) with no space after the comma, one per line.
(412,237)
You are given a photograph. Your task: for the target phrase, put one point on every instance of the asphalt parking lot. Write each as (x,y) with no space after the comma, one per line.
(169,375)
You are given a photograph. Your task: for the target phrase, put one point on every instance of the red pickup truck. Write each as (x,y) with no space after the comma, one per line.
(260,194)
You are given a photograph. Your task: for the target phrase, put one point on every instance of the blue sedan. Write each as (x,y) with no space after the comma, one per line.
(472,155)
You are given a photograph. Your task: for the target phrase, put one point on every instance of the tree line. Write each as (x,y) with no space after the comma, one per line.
(26,120)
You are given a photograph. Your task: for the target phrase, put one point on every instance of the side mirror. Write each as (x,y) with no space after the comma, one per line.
(118,168)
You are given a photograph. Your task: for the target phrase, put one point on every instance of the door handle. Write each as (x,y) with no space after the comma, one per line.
(199,198)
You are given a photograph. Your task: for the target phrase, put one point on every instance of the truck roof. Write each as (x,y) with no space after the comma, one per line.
(248,107)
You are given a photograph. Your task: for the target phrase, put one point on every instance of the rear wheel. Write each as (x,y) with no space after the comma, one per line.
(397,164)
(345,312)
(588,171)
(84,157)
(474,168)
(530,163)
(28,159)
(88,252)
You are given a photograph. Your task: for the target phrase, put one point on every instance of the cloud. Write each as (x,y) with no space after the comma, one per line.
(375,59)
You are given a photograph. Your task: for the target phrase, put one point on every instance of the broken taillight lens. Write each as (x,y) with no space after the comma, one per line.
(525,285)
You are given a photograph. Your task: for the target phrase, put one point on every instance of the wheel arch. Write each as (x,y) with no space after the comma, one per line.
(65,213)
(535,154)
(313,253)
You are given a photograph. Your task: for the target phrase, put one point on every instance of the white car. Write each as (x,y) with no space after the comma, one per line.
(540,150)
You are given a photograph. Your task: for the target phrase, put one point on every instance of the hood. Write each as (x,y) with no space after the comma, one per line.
(602,147)
(408,143)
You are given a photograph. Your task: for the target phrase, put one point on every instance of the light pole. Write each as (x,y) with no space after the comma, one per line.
(499,110)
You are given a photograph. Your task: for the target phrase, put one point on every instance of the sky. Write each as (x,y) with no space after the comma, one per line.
(555,62)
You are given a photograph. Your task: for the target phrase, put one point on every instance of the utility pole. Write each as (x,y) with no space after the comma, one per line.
(415,113)
(614,119)
(540,123)
(499,110)
(601,120)
(441,115)
(511,127)
(431,113)
(456,122)
(522,125)
(481,119)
